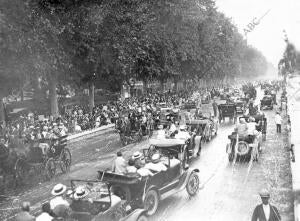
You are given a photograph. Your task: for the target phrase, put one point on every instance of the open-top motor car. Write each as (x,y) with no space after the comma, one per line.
(147,192)
(92,200)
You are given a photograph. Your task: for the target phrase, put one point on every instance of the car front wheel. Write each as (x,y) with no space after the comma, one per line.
(151,202)
(192,185)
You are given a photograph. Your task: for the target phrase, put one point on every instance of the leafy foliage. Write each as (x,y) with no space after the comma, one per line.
(119,40)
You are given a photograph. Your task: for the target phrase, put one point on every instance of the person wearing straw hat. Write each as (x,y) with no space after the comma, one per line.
(80,193)
(265,211)
(58,192)
(139,162)
(155,164)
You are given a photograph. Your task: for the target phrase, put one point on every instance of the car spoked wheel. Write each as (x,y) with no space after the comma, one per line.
(151,202)
(192,185)
(243,148)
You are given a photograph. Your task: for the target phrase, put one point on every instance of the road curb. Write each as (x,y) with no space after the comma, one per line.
(89,132)
(293,111)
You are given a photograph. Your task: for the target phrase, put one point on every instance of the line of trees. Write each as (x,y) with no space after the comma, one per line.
(108,42)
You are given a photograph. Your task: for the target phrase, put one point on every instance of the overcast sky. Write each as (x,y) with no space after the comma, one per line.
(268,35)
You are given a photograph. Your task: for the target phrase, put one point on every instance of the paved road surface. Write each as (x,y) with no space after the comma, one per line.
(229,192)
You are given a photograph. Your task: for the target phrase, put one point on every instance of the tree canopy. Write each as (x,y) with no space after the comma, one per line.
(115,41)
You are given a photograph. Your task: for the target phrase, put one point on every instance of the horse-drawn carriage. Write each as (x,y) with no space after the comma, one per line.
(127,135)
(227,110)
(165,117)
(132,130)
(36,158)
(147,192)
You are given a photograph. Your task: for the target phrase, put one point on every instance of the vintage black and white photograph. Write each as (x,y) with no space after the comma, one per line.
(149,110)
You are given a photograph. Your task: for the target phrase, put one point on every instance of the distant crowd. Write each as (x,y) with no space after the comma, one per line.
(32,126)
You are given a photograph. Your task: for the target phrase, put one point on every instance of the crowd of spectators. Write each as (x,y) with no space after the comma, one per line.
(31,126)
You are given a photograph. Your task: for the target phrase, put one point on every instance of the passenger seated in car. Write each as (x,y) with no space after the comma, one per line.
(131,169)
(242,128)
(139,160)
(174,162)
(183,133)
(155,164)
(251,129)
(143,172)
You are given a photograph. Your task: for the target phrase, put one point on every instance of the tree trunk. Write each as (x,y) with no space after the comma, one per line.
(22,94)
(2,112)
(91,96)
(184,84)
(162,85)
(53,97)
(175,84)
(145,86)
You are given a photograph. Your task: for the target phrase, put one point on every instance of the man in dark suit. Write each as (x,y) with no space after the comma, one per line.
(265,211)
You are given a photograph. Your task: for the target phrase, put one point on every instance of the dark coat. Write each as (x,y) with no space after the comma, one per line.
(259,215)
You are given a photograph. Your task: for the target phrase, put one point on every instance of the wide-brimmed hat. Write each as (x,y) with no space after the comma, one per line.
(264,193)
(137,155)
(155,158)
(58,189)
(80,192)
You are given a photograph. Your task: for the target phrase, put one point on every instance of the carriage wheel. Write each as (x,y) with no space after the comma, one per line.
(50,168)
(123,139)
(65,160)
(22,171)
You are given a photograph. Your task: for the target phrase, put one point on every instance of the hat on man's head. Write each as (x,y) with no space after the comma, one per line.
(264,193)
(58,189)
(137,155)
(155,158)
(80,192)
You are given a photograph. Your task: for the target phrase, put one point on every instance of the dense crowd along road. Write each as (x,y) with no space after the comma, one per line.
(224,183)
